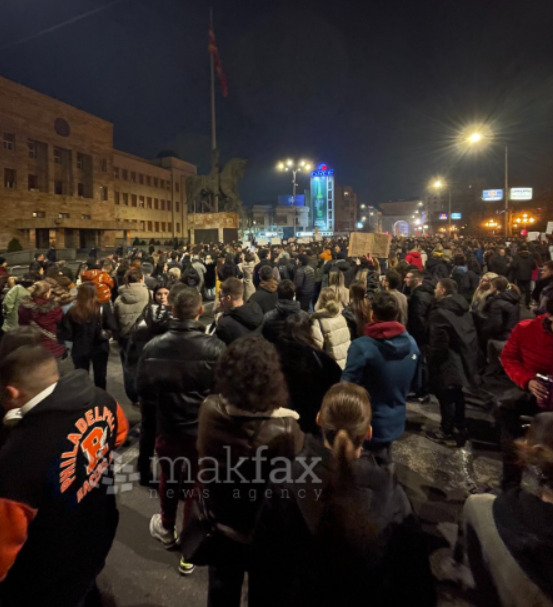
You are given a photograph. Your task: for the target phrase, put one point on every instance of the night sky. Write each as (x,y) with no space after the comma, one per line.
(376,89)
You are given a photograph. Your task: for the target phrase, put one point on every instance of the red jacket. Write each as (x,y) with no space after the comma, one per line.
(47,314)
(528,351)
(414,258)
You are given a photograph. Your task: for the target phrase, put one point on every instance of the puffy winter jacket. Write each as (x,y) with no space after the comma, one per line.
(331,334)
(266,296)
(304,281)
(45,315)
(10,306)
(529,350)
(419,304)
(414,258)
(437,268)
(128,306)
(502,312)
(273,322)
(523,265)
(175,373)
(239,321)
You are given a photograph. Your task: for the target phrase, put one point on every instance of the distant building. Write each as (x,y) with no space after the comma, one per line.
(62,180)
(345,202)
(403,217)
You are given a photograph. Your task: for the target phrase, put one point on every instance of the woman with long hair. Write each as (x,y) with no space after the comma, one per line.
(347,529)
(86,329)
(246,418)
(336,282)
(509,539)
(358,311)
(330,329)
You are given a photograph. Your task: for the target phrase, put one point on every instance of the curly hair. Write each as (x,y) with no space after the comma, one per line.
(249,375)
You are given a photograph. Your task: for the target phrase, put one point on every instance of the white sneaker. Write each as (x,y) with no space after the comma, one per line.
(167,537)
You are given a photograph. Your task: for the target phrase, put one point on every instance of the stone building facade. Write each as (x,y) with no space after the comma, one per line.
(62,181)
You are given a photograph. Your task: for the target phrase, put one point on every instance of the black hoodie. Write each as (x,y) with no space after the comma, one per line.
(57,504)
(453,343)
(502,312)
(239,321)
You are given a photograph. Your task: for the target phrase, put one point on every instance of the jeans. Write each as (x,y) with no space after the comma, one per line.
(99,360)
(178,459)
(129,378)
(452,408)
(146,445)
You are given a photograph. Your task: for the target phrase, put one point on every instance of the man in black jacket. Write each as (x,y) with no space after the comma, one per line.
(58,514)
(273,323)
(176,371)
(238,318)
(265,296)
(304,281)
(420,300)
(452,357)
(521,271)
(499,263)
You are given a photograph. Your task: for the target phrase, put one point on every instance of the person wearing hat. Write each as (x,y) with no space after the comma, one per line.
(436,266)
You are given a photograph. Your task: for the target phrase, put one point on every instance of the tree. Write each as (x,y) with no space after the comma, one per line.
(14,245)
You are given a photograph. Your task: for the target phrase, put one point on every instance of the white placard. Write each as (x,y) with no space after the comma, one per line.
(549,229)
(532,236)
(262,241)
(276,240)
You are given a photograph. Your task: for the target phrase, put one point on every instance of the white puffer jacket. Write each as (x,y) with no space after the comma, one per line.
(331,334)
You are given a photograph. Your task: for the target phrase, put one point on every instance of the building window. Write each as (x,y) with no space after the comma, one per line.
(156,205)
(141,178)
(163,226)
(104,165)
(9,178)
(177,187)
(162,183)
(58,187)
(149,226)
(80,160)
(116,172)
(63,215)
(103,192)
(163,205)
(168,184)
(125,174)
(156,182)
(9,141)
(39,214)
(125,199)
(31,146)
(177,206)
(32,183)
(141,202)
(178,228)
(170,227)
(134,199)
(80,190)
(84,216)
(57,156)
(148,180)
(116,197)
(149,202)
(133,177)
(169,205)
(157,226)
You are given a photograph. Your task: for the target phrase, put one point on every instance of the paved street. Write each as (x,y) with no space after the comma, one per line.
(141,573)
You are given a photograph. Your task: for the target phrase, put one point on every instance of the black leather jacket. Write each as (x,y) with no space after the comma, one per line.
(176,373)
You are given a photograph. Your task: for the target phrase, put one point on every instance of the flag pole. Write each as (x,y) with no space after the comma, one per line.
(213,116)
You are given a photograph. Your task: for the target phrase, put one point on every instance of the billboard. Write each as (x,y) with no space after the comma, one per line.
(455,215)
(491,195)
(442,216)
(287,200)
(520,193)
(322,198)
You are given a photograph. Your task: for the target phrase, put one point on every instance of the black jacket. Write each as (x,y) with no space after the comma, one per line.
(453,343)
(87,337)
(309,373)
(523,265)
(437,268)
(153,321)
(501,312)
(499,265)
(238,322)
(392,570)
(466,280)
(419,304)
(265,296)
(55,498)
(175,372)
(273,322)
(304,281)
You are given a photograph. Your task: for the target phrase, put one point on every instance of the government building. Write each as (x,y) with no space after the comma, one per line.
(63,181)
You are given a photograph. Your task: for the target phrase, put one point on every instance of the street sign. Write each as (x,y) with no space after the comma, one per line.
(455,215)
(491,195)
(521,194)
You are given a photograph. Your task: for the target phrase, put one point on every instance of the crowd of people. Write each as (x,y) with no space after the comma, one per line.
(276,420)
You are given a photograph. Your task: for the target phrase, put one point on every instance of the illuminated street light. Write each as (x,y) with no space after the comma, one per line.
(295,168)
(475,138)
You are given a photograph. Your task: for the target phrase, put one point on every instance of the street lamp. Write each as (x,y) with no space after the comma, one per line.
(294,168)
(439,184)
(475,138)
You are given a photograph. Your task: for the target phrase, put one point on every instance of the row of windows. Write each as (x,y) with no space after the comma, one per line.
(142,179)
(10,183)
(153,226)
(42,214)
(145,202)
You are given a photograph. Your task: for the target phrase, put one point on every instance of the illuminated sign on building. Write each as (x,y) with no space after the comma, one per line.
(442,216)
(491,195)
(287,200)
(322,197)
(455,215)
(520,194)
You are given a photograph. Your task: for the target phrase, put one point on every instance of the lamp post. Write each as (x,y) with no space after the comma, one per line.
(295,168)
(476,138)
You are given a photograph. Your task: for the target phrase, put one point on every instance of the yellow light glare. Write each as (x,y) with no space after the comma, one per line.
(280,166)
(475,138)
(438,183)
(289,162)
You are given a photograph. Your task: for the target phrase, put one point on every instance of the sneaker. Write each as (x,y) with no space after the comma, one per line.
(167,537)
(439,436)
(184,567)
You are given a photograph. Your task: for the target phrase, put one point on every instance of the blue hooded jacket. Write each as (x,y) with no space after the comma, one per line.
(384,363)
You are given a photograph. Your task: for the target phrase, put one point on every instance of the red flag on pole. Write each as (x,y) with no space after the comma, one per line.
(214,51)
